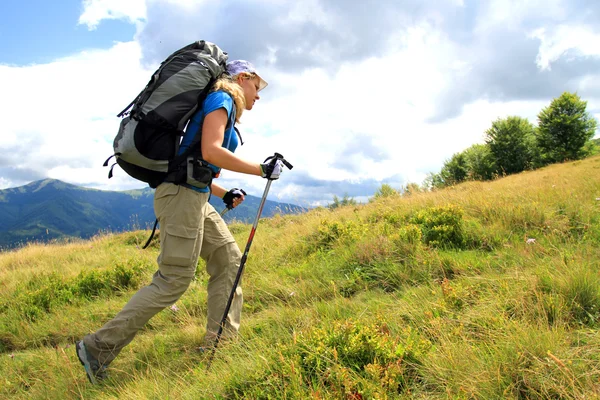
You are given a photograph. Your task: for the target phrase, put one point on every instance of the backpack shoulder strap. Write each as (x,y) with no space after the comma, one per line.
(196,143)
(239,135)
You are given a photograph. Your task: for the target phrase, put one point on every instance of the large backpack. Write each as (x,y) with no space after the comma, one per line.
(147,143)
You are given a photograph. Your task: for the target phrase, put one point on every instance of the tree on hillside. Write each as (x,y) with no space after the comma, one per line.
(385,190)
(480,162)
(594,146)
(433,181)
(345,201)
(455,170)
(512,144)
(411,188)
(564,129)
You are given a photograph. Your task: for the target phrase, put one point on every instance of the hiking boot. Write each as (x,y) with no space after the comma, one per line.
(95,372)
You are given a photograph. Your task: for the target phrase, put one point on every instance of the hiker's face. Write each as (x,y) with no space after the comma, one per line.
(250,87)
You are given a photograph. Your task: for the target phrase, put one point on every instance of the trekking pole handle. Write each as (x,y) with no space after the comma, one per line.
(283,160)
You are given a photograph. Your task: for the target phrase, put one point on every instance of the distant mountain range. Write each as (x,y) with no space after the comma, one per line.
(51,209)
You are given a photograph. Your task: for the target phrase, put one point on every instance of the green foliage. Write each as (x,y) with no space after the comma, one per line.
(385,190)
(347,359)
(441,226)
(330,232)
(593,147)
(411,188)
(455,170)
(434,181)
(345,201)
(475,163)
(92,284)
(410,234)
(480,162)
(354,345)
(512,144)
(42,294)
(564,129)
(458,295)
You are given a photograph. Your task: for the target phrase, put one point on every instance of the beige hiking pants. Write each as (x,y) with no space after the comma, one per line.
(189,227)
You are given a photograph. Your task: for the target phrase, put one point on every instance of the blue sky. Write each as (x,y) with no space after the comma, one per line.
(358,96)
(40,31)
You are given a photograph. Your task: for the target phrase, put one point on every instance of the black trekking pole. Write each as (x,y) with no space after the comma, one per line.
(276,157)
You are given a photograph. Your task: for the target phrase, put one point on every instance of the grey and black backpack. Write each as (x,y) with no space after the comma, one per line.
(147,143)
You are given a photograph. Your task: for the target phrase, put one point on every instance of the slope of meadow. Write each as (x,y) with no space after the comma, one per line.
(483,290)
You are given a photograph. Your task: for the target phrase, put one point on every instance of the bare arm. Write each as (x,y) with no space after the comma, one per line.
(213,133)
(217,190)
(221,191)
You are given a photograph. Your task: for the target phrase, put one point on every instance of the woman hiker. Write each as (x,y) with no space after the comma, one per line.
(190,227)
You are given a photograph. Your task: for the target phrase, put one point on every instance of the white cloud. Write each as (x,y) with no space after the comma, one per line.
(315,117)
(555,43)
(65,122)
(4,183)
(386,98)
(94,11)
(511,14)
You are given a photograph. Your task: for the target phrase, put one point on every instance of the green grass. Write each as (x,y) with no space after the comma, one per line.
(478,291)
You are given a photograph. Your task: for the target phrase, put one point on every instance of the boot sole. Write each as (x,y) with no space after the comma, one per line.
(84,361)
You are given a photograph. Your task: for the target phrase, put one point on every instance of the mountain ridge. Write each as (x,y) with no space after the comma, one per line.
(50,209)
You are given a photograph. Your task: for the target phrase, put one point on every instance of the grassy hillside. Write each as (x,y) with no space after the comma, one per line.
(483,290)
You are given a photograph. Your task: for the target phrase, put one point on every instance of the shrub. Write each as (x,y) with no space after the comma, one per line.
(441,226)
(369,350)
(91,284)
(410,234)
(40,294)
(329,232)
(346,360)
(43,293)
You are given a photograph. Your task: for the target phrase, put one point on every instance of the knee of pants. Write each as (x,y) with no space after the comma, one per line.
(226,257)
(171,286)
(181,284)
(229,254)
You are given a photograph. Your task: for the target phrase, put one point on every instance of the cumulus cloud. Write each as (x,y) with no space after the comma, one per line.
(94,11)
(289,35)
(564,39)
(498,50)
(516,50)
(360,93)
(63,126)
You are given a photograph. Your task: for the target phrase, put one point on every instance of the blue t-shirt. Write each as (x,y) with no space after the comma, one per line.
(214,101)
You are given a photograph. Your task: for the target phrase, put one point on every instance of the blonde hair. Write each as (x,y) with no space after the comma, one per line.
(229,85)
